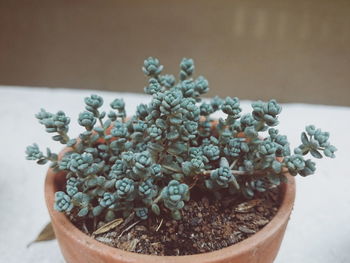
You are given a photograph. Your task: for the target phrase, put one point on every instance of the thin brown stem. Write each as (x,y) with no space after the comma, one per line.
(194,182)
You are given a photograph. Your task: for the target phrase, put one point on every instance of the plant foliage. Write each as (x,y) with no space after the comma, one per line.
(149,162)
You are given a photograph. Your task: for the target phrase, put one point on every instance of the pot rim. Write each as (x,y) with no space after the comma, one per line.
(62,223)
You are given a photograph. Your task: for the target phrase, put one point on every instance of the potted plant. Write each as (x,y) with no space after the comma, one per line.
(171,180)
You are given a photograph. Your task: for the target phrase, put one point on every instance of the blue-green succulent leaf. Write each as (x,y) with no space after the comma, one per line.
(155,209)
(316,154)
(83,212)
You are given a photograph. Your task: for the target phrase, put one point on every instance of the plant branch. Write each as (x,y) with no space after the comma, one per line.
(233,164)
(237,172)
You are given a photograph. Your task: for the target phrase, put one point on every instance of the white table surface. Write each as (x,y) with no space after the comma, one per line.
(319,228)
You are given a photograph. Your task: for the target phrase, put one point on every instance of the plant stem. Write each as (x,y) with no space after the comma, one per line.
(233,164)
(157,199)
(64,135)
(237,172)
(101,123)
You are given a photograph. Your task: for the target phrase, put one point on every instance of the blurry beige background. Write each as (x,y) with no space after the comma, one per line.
(295,51)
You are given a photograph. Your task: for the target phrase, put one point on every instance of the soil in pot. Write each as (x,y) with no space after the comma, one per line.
(207,225)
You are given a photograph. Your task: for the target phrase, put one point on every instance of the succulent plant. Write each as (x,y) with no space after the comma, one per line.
(148,163)
(63,202)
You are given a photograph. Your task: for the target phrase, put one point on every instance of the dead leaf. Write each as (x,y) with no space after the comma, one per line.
(45,235)
(105,228)
(246,206)
(262,222)
(246,230)
(132,245)
(128,228)
(106,240)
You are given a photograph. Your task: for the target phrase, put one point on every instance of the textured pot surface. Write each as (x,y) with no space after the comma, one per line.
(77,247)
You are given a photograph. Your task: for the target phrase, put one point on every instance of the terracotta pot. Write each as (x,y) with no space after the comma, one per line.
(76,246)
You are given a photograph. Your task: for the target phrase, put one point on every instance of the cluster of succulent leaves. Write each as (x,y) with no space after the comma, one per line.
(149,163)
